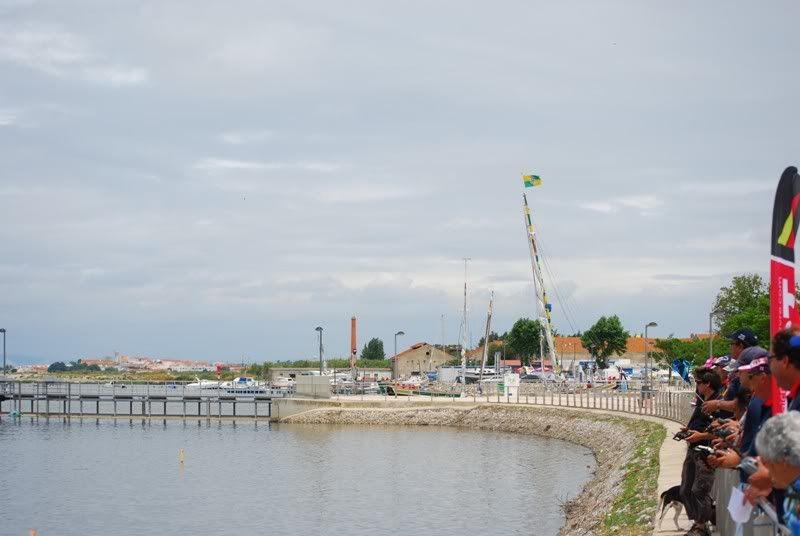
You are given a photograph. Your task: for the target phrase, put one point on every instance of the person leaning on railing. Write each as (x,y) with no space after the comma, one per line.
(753,371)
(785,364)
(778,444)
(785,358)
(741,340)
(697,477)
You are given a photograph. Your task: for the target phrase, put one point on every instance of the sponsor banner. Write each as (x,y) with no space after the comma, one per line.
(785,219)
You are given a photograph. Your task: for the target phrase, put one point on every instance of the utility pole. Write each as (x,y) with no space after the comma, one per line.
(464,334)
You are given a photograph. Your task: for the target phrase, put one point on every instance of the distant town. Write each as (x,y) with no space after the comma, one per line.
(127,363)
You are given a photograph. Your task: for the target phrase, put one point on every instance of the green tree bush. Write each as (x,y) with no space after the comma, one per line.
(373,350)
(604,338)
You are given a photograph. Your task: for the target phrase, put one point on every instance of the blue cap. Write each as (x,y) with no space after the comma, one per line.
(744,336)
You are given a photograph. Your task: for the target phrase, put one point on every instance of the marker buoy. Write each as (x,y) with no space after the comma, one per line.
(181,456)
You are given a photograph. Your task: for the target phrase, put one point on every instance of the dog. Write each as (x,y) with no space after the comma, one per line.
(671,499)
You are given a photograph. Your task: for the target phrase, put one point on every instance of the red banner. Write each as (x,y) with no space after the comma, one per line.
(783,309)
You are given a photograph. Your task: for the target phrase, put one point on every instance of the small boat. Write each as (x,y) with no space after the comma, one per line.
(243,386)
(203,384)
(408,387)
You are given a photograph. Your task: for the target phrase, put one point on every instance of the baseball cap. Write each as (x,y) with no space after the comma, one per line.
(744,336)
(722,361)
(746,357)
(760,364)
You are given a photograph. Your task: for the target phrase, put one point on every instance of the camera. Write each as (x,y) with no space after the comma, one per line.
(722,432)
(681,435)
(704,451)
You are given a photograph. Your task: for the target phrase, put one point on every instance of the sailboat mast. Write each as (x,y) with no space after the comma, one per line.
(486,338)
(542,305)
(464,333)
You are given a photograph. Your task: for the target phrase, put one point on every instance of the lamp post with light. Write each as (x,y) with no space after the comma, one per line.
(394,359)
(3,331)
(319,329)
(647,366)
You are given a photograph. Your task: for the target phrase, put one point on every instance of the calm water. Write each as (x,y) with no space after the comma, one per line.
(119,478)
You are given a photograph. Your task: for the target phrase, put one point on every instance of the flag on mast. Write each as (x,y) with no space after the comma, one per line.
(532,181)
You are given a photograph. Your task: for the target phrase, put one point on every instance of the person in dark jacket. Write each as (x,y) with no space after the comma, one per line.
(785,364)
(697,477)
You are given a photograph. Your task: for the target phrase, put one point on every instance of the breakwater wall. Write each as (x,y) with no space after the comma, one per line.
(619,499)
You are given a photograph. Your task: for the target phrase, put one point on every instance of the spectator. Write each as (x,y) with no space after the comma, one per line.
(785,364)
(778,444)
(697,477)
(741,340)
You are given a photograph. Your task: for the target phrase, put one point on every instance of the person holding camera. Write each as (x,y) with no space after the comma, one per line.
(697,476)
(778,444)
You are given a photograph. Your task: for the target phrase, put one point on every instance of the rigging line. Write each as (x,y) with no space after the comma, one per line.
(567,310)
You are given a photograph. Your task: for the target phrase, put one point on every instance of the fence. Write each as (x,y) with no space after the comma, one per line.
(146,400)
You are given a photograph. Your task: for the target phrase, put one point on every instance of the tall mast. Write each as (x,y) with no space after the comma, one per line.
(464,333)
(543,307)
(486,339)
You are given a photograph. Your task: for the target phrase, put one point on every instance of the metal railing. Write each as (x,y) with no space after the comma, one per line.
(672,405)
(137,399)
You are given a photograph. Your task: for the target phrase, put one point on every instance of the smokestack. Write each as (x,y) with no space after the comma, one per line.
(353,343)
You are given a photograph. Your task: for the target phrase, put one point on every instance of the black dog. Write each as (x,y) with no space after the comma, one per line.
(671,498)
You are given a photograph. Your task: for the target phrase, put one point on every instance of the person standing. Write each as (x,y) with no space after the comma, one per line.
(697,477)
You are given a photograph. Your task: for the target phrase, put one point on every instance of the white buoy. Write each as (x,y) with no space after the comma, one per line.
(181,456)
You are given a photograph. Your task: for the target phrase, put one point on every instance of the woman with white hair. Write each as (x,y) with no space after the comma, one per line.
(778,446)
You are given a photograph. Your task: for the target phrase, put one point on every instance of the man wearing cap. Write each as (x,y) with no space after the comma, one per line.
(741,340)
(697,477)
(785,364)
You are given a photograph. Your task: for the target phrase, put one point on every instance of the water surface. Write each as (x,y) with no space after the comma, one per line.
(121,478)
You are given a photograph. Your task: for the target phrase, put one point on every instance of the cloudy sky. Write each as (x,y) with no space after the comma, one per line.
(213,180)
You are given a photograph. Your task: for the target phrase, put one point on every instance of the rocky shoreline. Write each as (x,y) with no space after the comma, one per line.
(617,443)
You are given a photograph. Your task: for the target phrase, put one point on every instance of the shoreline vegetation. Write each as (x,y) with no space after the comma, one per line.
(259,371)
(619,498)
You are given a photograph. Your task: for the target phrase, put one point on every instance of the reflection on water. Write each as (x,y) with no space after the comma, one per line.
(125,478)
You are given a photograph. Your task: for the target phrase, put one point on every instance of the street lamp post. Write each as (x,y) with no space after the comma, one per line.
(3,331)
(319,328)
(711,334)
(394,359)
(647,366)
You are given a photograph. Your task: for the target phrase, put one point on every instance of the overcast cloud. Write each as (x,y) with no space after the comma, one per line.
(213,180)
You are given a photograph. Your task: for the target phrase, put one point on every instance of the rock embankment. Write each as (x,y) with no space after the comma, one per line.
(613,440)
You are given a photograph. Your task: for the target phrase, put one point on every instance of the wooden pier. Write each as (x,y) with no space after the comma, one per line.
(134,400)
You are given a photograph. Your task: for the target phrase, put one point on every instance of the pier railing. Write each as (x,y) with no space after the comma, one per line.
(136,399)
(667,404)
(671,404)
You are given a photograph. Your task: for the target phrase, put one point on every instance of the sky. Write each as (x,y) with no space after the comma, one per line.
(213,180)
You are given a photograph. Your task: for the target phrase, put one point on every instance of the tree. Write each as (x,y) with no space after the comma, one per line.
(373,350)
(493,349)
(605,337)
(694,350)
(524,339)
(744,304)
(58,366)
(493,336)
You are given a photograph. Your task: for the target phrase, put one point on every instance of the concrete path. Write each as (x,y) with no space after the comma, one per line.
(671,459)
